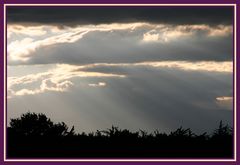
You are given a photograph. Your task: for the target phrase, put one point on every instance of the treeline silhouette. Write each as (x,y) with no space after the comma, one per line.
(36,136)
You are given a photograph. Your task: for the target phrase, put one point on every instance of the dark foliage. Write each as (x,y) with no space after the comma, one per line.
(36,136)
(32,124)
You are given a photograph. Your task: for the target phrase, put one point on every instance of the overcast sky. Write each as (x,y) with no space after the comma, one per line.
(134,67)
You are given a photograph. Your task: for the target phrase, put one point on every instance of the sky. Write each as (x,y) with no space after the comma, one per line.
(148,68)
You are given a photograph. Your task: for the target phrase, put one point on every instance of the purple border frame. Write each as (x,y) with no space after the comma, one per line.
(115,2)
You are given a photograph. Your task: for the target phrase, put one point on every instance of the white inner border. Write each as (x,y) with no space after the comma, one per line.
(125,160)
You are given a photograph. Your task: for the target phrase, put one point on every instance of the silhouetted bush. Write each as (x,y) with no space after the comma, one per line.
(35,135)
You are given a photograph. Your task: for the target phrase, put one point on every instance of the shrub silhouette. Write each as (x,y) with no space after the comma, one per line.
(222,131)
(115,132)
(180,132)
(35,135)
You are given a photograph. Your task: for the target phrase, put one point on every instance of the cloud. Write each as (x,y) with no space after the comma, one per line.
(27,30)
(115,41)
(225,102)
(72,16)
(57,79)
(21,50)
(100,84)
(224,98)
(205,66)
(27,79)
(221,31)
(150,36)
(169,33)
(46,85)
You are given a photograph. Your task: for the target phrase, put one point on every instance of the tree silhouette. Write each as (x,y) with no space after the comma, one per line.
(32,124)
(35,135)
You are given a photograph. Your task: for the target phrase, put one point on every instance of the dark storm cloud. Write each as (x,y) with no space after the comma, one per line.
(97,15)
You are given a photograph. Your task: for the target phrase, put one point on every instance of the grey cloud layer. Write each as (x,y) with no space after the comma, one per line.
(99,47)
(121,43)
(59,77)
(71,16)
